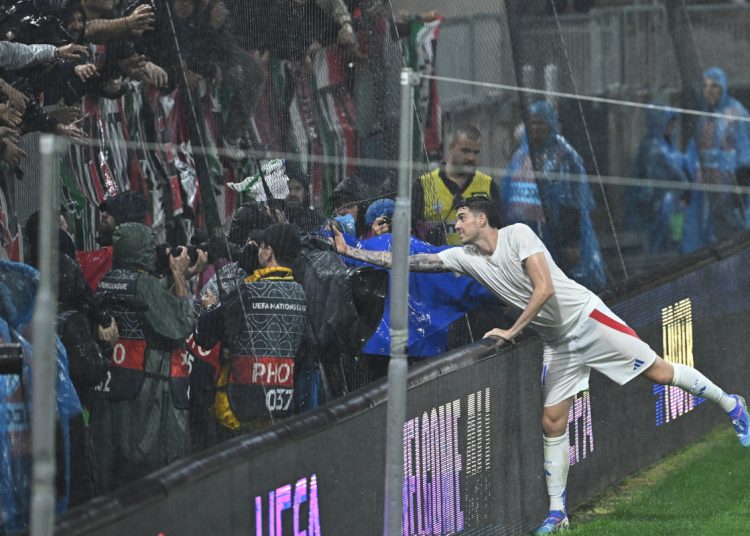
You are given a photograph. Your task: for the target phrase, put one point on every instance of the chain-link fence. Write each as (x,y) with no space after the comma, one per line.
(199,129)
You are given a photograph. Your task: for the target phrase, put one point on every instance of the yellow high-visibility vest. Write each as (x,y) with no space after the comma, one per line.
(438,199)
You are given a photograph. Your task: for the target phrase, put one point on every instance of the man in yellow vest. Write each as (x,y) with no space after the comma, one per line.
(436,193)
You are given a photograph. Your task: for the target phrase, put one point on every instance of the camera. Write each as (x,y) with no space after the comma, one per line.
(11,361)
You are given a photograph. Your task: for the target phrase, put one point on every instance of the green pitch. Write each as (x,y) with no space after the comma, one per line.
(702,489)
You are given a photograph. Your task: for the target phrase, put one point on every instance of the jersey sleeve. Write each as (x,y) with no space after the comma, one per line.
(525,241)
(451,258)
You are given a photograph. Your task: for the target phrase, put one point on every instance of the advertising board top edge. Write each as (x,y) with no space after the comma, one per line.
(157,486)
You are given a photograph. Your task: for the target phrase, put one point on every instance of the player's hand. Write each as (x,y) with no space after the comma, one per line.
(338,240)
(503,334)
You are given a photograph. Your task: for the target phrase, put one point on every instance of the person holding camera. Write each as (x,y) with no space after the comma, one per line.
(378,217)
(139,414)
(256,384)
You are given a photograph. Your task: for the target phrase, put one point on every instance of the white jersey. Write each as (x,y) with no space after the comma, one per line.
(503,273)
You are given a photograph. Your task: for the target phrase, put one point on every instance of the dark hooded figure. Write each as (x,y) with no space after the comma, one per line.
(722,150)
(127,206)
(558,206)
(297,206)
(349,201)
(656,211)
(139,417)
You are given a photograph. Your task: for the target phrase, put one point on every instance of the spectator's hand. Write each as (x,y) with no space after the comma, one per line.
(134,66)
(380,226)
(142,19)
(179,265)
(10,133)
(9,116)
(200,264)
(11,153)
(209,300)
(72,51)
(155,75)
(429,16)
(71,131)
(16,98)
(110,334)
(66,114)
(84,72)
(338,239)
(111,87)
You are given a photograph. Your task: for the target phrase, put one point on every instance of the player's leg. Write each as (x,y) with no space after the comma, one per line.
(695,383)
(563,375)
(614,349)
(556,464)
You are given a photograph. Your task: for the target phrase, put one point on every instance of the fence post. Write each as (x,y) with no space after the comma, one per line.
(44,368)
(397,366)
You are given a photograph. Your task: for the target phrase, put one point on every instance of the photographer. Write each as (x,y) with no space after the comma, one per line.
(227,278)
(139,417)
(88,334)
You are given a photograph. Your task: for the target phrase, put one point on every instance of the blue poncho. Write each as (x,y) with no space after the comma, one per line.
(18,285)
(435,301)
(566,186)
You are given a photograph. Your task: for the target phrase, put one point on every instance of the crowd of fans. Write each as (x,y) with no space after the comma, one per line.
(167,349)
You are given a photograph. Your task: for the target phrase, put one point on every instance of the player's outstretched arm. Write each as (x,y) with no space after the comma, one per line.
(422,262)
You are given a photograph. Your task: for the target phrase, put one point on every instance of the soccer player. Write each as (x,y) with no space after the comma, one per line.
(579,331)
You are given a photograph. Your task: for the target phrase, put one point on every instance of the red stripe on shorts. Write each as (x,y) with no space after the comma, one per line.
(612,323)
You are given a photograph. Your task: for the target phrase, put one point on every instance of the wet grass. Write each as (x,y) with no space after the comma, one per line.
(702,489)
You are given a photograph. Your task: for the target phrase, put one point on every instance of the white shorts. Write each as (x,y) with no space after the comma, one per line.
(600,340)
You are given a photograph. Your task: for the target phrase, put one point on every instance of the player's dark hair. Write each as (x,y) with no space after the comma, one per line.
(480,204)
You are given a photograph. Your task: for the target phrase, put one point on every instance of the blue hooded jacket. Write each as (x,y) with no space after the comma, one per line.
(435,301)
(723,144)
(658,159)
(719,147)
(555,160)
(18,286)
